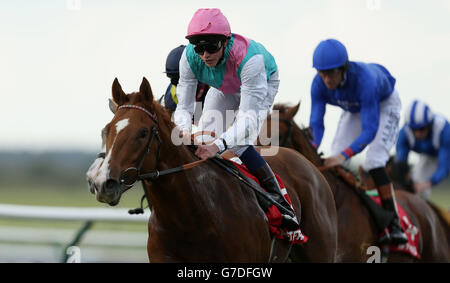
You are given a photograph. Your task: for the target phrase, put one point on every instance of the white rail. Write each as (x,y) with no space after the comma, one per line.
(71,213)
(30,244)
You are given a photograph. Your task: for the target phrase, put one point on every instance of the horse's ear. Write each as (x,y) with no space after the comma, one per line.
(117,93)
(112,106)
(145,89)
(293,110)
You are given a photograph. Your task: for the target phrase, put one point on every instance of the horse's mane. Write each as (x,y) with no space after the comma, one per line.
(163,115)
(302,140)
(281,107)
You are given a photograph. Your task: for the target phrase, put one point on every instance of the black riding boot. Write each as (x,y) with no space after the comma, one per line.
(396,235)
(268,181)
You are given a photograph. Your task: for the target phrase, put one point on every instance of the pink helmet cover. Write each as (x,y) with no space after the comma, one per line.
(209,21)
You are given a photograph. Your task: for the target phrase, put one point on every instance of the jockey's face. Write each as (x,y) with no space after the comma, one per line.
(331,78)
(421,133)
(211,59)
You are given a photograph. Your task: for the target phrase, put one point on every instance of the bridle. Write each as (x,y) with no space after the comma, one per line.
(132,175)
(286,139)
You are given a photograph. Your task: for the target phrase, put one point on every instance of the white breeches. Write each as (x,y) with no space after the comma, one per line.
(234,114)
(349,128)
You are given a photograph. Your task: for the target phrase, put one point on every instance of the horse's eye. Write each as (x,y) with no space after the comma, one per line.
(143,134)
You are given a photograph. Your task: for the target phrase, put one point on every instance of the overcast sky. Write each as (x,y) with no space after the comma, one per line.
(59,58)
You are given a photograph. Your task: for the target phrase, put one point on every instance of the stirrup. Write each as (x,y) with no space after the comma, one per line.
(399,238)
(389,238)
(283,202)
(385,238)
(289,223)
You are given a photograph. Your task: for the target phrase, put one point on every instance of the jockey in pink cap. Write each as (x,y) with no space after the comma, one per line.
(243,77)
(209,21)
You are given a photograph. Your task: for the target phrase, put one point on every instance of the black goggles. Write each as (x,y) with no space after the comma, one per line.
(210,47)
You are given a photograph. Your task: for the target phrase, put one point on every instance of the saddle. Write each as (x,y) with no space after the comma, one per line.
(350,178)
(271,208)
(381,217)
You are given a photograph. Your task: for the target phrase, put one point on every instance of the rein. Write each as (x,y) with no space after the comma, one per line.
(154,175)
(325,168)
(346,175)
(133,174)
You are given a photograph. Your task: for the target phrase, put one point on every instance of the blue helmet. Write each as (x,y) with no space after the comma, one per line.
(329,54)
(418,115)
(173,60)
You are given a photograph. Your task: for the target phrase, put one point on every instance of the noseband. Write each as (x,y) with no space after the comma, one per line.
(133,174)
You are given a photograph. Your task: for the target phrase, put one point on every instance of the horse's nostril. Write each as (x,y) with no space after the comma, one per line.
(111,185)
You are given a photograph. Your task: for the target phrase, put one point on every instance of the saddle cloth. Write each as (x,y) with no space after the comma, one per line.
(412,232)
(274,215)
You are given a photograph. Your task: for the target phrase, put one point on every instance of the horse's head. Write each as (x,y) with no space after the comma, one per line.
(289,133)
(279,125)
(130,137)
(285,116)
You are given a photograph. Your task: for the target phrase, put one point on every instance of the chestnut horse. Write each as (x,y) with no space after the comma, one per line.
(204,214)
(356,227)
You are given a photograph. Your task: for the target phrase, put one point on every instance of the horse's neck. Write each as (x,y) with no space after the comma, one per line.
(303,146)
(172,155)
(341,190)
(175,194)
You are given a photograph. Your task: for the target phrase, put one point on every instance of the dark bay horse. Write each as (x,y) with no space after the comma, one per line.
(204,214)
(356,227)
(401,178)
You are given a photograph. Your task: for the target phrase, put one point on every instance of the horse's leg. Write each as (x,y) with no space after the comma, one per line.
(444,220)
(281,249)
(356,230)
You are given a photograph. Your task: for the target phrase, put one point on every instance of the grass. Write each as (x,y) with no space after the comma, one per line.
(440,195)
(76,196)
(63,196)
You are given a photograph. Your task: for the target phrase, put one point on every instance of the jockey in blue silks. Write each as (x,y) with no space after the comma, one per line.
(370,118)
(428,134)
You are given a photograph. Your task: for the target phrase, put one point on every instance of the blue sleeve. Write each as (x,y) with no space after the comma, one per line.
(443,158)
(402,147)
(318,105)
(370,120)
